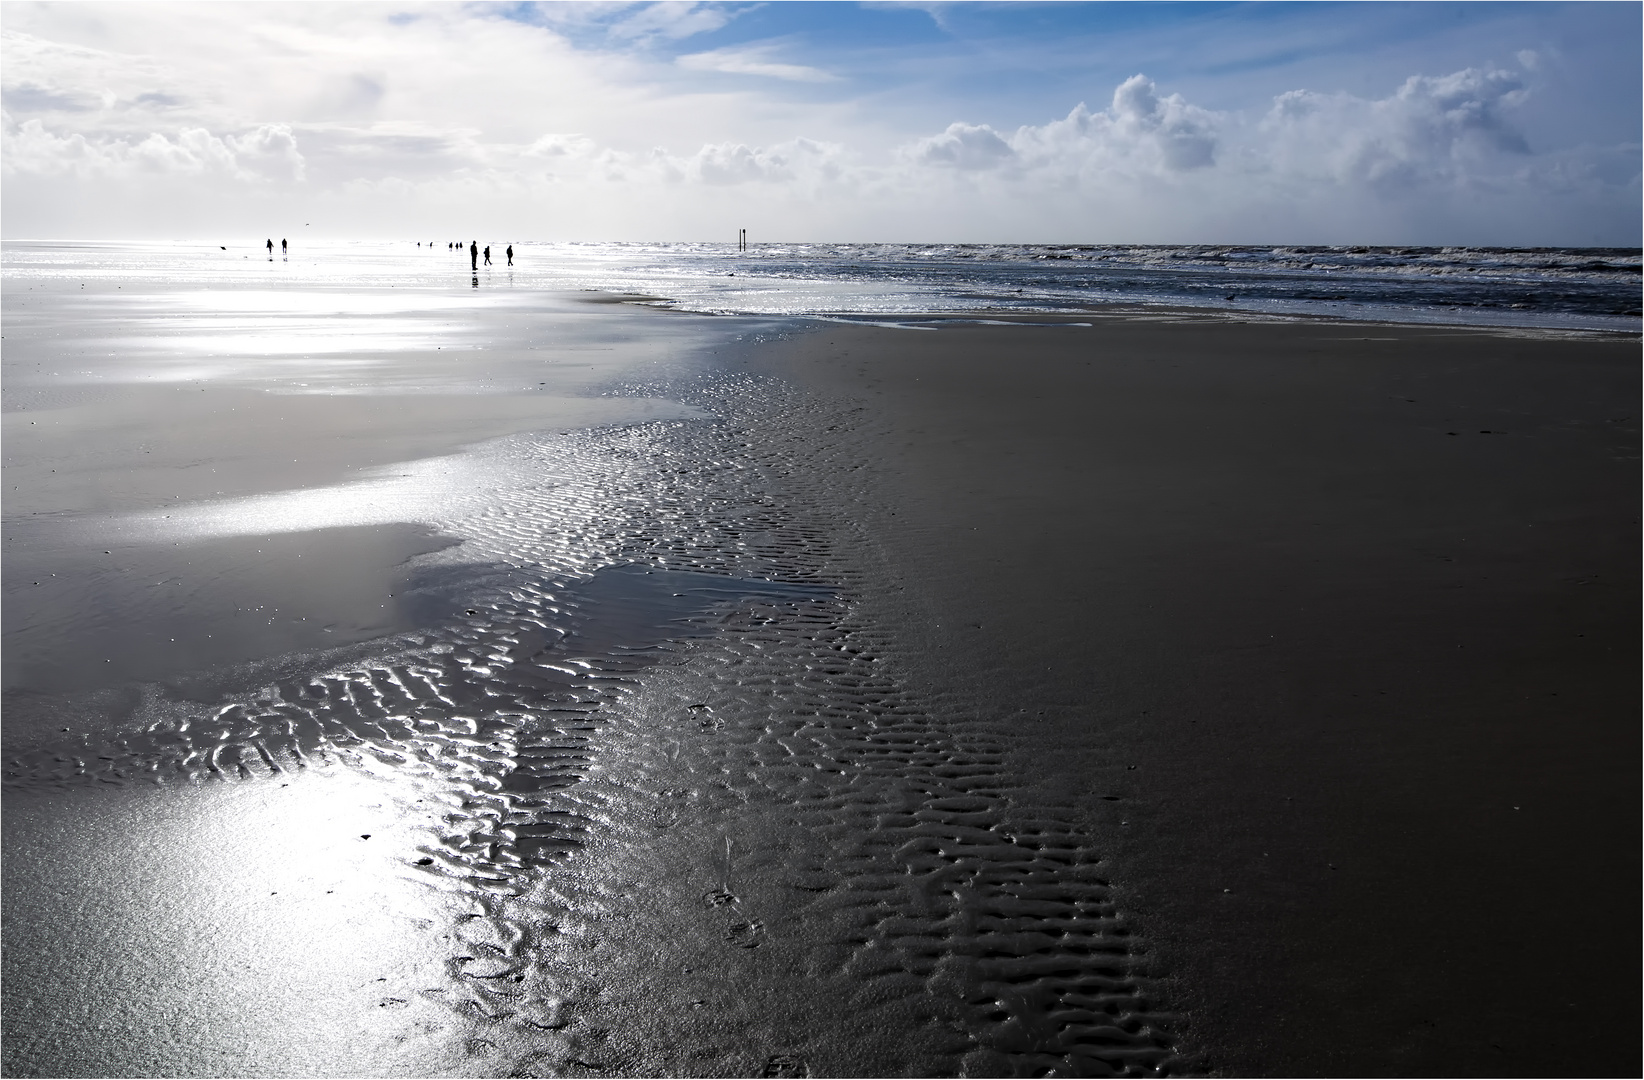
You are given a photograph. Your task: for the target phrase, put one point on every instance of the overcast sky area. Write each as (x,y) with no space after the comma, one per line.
(1470,123)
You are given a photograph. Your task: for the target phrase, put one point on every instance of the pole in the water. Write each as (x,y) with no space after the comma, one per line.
(742,239)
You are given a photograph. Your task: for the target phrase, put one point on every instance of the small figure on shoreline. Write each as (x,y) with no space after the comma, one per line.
(473,254)
(487,254)
(510,254)
(271,249)
(282,246)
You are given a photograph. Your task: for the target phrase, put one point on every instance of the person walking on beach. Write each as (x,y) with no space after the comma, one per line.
(473,254)
(487,254)
(282,246)
(271,249)
(510,254)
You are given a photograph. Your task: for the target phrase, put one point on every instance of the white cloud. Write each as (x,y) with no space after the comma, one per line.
(936,9)
(752,60)
(1182,134)
(1444,131)
(673,20)
(266,153)
(962,146)
(1140,133)
(797,161)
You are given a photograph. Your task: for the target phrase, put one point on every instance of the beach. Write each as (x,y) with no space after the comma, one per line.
(1131,691)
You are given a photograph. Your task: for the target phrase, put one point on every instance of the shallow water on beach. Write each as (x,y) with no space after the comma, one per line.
(630,776)
(1594,289)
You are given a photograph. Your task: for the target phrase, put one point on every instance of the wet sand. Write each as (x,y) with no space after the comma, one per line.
(134,410)
(1343,619)
(1150,696)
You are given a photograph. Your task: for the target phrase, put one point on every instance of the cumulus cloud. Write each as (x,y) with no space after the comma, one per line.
(794,161)
(1440,156)
(1140,132)
(562,146)
(1181,133)
(962,146)
(269,152)
(1432,130)
(1440,130)
(266,153)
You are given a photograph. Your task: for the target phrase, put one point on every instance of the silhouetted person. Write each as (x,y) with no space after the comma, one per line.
(487,254)
(510,254)
(271,249)
(282,247)
(473,255)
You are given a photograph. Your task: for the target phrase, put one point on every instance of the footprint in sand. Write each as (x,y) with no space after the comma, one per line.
(746,935)
(783,1065)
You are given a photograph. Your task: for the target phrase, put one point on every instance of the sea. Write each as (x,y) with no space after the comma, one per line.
(1590,289)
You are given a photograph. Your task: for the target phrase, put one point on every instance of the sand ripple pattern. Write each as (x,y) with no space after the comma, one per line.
(697,822)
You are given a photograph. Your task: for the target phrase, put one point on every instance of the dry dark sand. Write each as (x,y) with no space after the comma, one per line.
(1341,620)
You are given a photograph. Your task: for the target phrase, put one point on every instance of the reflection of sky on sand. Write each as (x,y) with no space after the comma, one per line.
(432,490)
(326,338)
(268,913)
(447,491)
(243,303)
(290,338)
(302,321)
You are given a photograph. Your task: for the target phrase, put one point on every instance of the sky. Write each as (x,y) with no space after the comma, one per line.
(1295,123)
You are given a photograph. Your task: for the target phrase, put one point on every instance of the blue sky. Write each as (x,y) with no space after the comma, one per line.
(1333,123)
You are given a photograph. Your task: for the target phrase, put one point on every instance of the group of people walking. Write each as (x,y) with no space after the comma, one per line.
(474,253)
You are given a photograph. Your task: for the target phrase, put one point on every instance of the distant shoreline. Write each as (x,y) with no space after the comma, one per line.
(1570,289)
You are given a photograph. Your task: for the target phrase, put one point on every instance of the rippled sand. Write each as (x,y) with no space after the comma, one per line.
(638,788)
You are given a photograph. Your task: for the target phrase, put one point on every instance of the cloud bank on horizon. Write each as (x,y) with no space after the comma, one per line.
(1438,124)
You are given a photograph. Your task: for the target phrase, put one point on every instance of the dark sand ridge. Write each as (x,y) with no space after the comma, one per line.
(1346,619)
